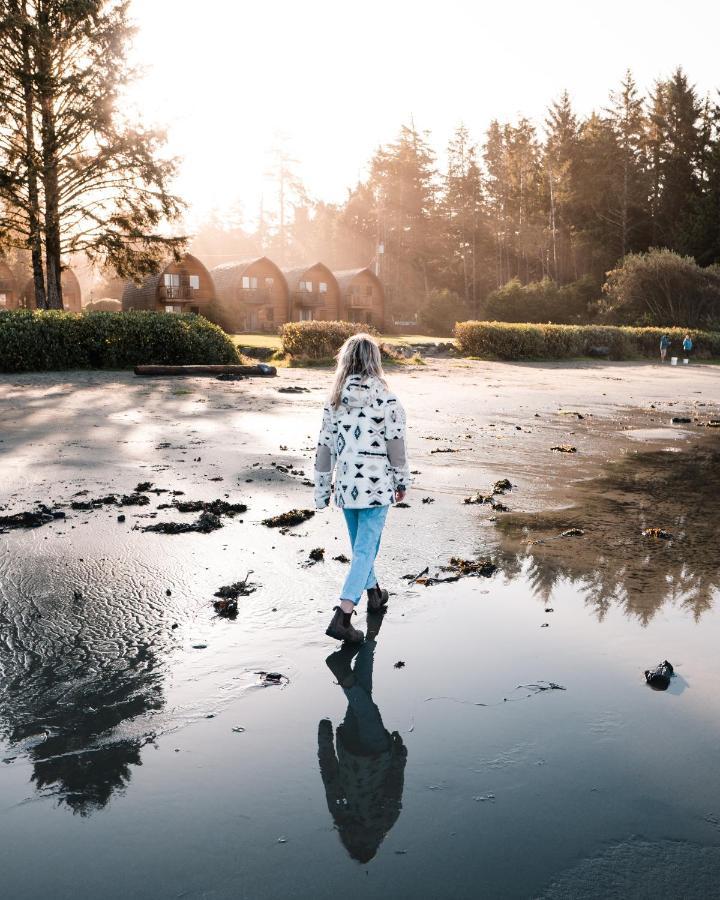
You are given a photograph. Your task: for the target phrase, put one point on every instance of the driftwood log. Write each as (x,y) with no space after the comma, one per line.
(259,371)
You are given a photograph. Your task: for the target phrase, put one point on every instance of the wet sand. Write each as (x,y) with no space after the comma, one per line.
(447,779)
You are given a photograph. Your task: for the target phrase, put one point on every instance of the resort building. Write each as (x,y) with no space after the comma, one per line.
(313,293)
(72,295)
(252,295)
(362,298)
(179,287)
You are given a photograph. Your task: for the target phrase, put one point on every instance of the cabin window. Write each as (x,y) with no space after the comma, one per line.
(306,286)
(322,287)
(269,282)
(171,280)
(173,308)
(3,301)
(249,283)
(195,282)
(305,315)
(195,310)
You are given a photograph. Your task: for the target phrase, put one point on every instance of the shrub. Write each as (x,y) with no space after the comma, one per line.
(441,311)
(662,288)
(41,340)
(542,301)
(318,340)
(504,340)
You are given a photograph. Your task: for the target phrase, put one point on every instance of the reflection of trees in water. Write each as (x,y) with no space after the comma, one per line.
(76,676)
(612,564)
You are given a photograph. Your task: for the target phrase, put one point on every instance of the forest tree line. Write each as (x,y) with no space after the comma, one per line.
(528,223)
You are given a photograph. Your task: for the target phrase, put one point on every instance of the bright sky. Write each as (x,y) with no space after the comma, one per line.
(338,77)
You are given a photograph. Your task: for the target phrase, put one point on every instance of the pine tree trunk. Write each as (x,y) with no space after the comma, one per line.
(53,265)
(35,238)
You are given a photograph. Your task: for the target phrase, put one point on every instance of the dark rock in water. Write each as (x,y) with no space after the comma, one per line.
(341,558)
(204,525)
(318,554)
(143,487)
(680,420)
(501,486)
(402,505)
(657,533)
(659,677)
(293,389)
(399,664)
(713,423)
(564,448)
(228,377)
(428,499)
(121,517)
(30,519)
(573,532)
(286,520)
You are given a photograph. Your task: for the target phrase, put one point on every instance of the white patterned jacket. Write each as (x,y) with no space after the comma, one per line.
(363,442)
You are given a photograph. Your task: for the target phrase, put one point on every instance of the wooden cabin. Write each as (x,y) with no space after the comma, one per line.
(313,293)
(362,298)
(8,287)
(178,287)
(72,294)
(252,295)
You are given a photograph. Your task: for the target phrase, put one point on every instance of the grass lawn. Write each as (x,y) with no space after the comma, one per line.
(273,340)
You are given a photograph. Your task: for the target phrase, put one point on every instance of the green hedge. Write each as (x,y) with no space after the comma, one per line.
(318,340)
(502,340)
(36,341)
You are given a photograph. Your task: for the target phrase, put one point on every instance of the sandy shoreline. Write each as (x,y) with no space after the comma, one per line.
(103,428)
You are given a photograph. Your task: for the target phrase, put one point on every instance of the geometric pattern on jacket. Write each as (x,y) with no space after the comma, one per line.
(356,434)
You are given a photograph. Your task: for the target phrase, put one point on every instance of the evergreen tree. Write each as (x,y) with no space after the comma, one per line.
(101,182)
(675,144)
(463,212)
(402,181)
(559,162)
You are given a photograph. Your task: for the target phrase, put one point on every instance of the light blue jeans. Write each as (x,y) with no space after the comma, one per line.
(365,527)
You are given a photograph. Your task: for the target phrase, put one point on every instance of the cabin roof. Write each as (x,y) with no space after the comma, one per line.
(294,276)
(345,277)
(227,275)
(147,292)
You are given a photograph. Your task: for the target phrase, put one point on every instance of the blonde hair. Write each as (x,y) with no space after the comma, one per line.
(359,355)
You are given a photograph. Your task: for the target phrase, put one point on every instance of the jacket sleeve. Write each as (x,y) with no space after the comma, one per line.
(396,440)
(325,460)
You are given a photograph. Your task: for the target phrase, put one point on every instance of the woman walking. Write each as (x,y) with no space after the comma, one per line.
(362,440)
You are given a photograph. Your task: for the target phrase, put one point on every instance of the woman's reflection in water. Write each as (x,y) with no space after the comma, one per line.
(363,771)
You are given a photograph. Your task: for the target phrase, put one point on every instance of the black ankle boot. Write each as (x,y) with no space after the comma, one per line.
(377,598)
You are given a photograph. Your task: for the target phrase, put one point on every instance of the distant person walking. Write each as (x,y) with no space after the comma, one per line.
(687,346)
(362,440)
(664,344)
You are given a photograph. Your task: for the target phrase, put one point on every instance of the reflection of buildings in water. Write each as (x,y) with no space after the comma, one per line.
(612,564)
(75,676)
(363,771)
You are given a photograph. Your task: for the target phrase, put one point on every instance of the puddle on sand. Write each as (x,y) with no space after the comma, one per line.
(138,766)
